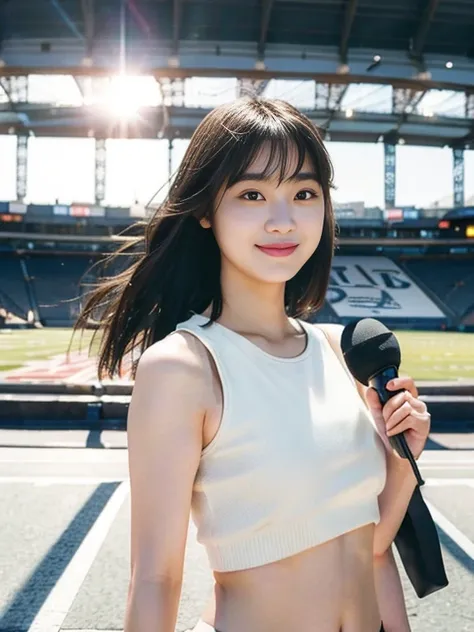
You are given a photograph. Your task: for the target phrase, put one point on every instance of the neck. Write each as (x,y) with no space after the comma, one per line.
(251,307)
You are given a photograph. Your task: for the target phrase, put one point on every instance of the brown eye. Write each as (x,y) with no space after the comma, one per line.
(252,196)
(311,194)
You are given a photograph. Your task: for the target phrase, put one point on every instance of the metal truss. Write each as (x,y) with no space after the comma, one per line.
(174,121)
(177,12)
(261,74)
(100,169)
(88,13)
(251,87)
(458,177)
(267,6)
(21,166)
(349,16)
(419,38)
(16,88)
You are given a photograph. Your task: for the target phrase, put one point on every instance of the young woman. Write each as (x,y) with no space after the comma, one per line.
(242,411)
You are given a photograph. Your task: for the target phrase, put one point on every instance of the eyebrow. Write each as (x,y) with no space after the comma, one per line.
(298,177)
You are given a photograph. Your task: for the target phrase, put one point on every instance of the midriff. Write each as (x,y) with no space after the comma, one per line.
(327,588)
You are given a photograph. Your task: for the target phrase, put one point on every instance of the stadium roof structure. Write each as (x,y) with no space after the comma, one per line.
(363,70)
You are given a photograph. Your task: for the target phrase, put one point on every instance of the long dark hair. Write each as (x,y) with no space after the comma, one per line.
(175,265)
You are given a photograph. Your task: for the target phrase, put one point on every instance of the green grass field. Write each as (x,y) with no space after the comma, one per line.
(22,346)
(426,355)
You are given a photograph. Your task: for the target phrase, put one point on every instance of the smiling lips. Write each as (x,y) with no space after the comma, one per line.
(279,250)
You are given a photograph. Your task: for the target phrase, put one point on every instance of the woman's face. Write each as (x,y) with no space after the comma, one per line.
(261,212)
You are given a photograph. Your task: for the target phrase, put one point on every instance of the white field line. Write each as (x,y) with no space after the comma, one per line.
(452,531)
(56,607)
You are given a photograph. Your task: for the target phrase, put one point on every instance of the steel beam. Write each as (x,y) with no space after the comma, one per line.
(88,13)
(67,20)
(469,105)
(405,101)
(5,86)
(181,122)
(16,89)
(419,39)
(184,73)
(334,97)
(3,22)
(177,8)
(247,87)
(458,177)
(21,167)
(267,6)
(349,15)
(390,172)
(100,169)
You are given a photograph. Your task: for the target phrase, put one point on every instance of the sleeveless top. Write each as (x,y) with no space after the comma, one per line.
(296,460)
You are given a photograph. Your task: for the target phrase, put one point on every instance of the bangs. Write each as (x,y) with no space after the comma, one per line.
(284,140)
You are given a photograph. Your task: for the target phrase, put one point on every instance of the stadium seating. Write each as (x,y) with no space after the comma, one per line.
(52,285)
(13,286)
(56,282)
(452,282)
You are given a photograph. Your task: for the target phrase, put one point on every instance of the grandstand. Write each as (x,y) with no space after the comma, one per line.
(411,274)
(405,289)
(409,266)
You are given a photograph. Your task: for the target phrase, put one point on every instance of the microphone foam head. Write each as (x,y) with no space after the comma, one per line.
(369,347)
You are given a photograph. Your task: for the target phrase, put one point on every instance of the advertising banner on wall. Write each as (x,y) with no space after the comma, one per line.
(79,210)
(60,209)
(364,287)
(17,207)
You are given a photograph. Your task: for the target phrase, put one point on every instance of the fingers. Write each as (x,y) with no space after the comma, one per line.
(420,422)
(405,382)
(395,421)
(399,400)
(373,399)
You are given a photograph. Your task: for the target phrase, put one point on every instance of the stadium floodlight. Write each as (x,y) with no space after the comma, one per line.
(123,99)
(343,69)
(449,64)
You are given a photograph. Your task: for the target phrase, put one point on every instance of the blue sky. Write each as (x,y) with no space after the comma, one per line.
(64,168)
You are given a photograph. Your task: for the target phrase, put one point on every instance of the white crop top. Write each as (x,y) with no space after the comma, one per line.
(296,460)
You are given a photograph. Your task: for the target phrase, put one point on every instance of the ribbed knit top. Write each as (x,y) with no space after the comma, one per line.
(296,460)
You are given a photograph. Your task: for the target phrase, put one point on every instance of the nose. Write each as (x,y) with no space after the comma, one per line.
(280,218)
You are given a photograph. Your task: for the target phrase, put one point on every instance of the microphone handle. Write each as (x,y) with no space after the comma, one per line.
(398,442)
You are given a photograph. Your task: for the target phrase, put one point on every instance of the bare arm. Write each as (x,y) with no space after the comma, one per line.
(389,590)
(164,446)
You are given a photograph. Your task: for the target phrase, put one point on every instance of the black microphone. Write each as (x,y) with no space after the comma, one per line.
(372,355)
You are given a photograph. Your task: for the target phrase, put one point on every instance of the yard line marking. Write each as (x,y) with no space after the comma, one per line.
(56,607)
(451,531)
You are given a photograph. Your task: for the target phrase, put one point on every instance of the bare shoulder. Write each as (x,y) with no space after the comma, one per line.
(165,441)
(179,360)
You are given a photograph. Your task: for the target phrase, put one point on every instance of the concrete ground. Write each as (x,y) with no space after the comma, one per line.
(64,533)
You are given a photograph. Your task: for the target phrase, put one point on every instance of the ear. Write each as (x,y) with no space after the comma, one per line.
(205,223)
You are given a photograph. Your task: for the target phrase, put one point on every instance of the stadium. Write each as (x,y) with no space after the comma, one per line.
(98,101)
